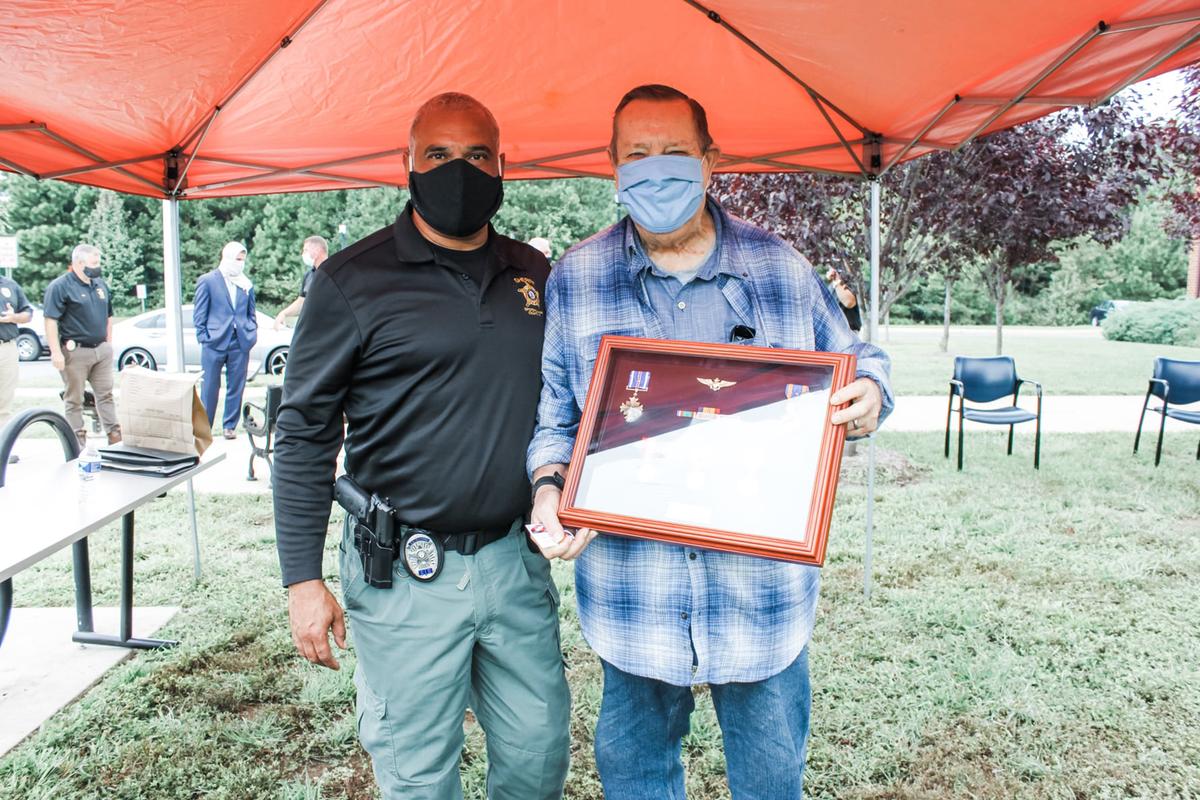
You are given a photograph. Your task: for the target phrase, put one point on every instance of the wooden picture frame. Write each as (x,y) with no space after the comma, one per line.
(657,457)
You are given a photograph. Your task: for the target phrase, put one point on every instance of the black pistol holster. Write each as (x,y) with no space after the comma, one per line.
(374,530)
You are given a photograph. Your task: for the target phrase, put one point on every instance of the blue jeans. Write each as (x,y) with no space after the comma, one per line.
(764,726)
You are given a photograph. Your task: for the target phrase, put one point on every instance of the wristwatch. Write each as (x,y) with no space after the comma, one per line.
(555,479)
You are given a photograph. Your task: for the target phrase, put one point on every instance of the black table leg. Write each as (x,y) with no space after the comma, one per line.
(83,585)
(125,638)
(5,606)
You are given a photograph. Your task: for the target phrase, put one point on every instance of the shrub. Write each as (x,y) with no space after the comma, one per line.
(1159,322)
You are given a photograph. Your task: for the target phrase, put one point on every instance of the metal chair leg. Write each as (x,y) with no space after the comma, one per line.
(250,466)
(1141,419)
(960,437)
(1037,442)
(949,411)
(1162,426)
(1010,438)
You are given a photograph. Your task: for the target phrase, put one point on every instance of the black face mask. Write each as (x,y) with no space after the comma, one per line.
(456,198)
(92,272)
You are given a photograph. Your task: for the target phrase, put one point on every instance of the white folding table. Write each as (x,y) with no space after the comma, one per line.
(47,509)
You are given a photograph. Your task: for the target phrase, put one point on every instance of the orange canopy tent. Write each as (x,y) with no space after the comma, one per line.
(206,98)
(203,98)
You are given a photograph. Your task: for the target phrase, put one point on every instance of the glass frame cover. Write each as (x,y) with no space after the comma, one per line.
(719,446)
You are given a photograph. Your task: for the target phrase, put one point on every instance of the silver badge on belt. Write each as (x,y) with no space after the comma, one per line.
(423,555)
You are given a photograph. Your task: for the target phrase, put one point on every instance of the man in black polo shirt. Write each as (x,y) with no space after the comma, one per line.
(313,253)
(78,309)
(14,310)
(427,336)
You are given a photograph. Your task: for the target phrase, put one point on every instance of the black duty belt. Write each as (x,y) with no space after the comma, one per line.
(468,543)
(86,345)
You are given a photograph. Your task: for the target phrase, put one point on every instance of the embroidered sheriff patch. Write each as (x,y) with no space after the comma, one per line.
(529,292)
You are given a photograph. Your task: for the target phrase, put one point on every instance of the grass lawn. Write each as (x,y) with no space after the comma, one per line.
(1031,635)
(1066,360)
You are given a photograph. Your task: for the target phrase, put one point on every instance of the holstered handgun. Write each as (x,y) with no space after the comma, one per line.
(374,532)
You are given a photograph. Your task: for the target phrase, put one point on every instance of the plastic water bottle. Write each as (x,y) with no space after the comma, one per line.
(89,464)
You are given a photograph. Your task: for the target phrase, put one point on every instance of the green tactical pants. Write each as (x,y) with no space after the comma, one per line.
(484,634)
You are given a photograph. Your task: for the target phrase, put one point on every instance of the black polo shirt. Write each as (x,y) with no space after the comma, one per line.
(306,281)
(81,309)
(438,376)
(11,295)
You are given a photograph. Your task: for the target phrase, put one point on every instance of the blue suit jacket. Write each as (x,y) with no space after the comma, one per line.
(219,323)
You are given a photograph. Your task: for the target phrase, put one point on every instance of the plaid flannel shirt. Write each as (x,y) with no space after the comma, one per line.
(663,611)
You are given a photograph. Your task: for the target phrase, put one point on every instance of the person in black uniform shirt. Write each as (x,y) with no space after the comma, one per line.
(78,309)
(313,253)
(14,310)
(427,336)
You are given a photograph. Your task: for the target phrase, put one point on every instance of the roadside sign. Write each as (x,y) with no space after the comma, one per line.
(141,291)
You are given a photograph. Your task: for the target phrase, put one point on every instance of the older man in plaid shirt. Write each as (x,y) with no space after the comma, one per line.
(665,617)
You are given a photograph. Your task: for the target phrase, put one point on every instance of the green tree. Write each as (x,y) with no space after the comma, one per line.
(564,211)
(49,219)
(287,219)
(365,212)
(120,254)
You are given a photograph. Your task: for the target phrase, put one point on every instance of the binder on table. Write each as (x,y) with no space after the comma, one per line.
(144,461)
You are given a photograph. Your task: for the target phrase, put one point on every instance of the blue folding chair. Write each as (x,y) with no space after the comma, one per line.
(1175,382)
(982,380)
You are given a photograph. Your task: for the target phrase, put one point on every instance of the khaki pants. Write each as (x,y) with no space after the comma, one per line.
(95,366)
(8,379)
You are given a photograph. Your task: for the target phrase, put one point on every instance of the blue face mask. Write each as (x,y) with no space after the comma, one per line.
(661,192)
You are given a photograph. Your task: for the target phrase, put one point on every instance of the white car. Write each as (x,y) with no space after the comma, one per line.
(142,341)
(31,337)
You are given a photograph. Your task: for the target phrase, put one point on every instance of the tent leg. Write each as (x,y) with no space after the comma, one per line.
(195,531)
(173,289)
(173,285)
(873,336)
(870,518)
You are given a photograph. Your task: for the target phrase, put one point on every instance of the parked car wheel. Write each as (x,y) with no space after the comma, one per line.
(28,347)
(136,357)
(277,361)
(1095,321)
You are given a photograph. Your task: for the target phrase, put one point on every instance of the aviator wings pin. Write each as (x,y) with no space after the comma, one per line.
(716,384)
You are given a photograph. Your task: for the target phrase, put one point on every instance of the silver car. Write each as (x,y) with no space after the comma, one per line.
(142,341)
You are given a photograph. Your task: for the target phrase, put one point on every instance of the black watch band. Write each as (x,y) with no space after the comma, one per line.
(555,479)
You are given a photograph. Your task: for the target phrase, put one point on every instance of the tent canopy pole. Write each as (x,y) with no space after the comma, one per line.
(173,285)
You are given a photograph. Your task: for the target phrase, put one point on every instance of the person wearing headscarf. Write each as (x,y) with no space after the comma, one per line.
(226,328)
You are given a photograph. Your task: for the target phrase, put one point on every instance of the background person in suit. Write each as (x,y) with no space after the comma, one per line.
(226,328)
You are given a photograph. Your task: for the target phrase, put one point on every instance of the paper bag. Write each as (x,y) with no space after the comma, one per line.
(161,411)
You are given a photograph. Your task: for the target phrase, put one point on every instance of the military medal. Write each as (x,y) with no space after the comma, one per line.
(716,384)
(639,381)
(795,390)
(422,555)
